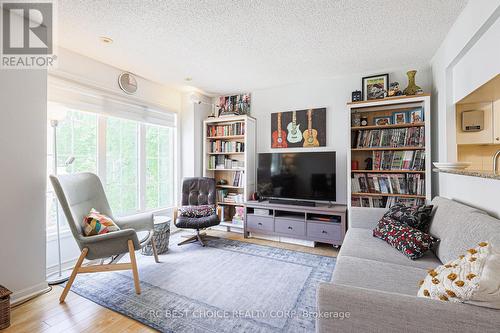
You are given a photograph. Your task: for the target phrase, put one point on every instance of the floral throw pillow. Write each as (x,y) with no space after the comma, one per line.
(472,278)
(96,223)
(197,211)
(417,217)
(410,241)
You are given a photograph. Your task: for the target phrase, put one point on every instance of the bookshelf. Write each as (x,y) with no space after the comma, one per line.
(229,154)
(389,162)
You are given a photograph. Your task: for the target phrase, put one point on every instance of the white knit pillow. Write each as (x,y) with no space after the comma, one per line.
(473,278)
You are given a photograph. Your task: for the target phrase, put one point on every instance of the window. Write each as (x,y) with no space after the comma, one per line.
(159,166)
(124,153)
(76,137)
(122,165)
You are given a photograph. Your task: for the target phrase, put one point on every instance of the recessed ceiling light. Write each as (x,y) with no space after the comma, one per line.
(189,78)
(106,40)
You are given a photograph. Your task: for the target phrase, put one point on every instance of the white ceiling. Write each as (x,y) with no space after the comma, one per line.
(231,46)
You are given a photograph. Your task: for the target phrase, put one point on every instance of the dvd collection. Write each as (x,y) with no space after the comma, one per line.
(389,137)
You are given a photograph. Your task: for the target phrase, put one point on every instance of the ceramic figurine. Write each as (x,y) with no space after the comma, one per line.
(394,90)
(412,87)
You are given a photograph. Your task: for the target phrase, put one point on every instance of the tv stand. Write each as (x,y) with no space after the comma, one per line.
(325,223)
(293,202)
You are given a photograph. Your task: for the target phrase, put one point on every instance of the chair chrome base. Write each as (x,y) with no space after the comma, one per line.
(199,237)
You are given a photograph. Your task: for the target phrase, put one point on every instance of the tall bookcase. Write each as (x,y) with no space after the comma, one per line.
(400,153)
(229,157)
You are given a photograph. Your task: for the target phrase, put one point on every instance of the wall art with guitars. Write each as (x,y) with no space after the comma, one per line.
(302,128)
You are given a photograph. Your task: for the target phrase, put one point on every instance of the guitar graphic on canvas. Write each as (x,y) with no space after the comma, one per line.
(310,134)
(279,136)
(294,132)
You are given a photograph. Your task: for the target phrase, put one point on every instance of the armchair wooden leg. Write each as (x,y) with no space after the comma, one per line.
(155,252)
(131,251)
(73,275)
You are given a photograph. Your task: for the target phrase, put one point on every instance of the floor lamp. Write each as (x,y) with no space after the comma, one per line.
(56,114)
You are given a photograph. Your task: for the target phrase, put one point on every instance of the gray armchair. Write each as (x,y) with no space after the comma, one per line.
(78,194)
(197,191)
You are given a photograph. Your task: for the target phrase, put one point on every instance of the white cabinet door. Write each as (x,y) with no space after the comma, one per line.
(482,137)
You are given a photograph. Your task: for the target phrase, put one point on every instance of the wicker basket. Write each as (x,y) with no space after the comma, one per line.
(4,307)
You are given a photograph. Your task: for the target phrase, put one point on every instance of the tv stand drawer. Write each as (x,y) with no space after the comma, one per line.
(264,223)
(326,231)
(290,227)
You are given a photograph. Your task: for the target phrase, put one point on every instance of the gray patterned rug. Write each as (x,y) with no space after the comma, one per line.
(228,286)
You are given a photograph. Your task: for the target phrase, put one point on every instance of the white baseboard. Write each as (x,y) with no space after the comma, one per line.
(22,295)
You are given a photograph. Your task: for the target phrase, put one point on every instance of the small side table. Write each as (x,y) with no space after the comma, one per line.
(161,236)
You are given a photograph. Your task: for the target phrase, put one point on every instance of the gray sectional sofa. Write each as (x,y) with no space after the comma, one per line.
(374,286)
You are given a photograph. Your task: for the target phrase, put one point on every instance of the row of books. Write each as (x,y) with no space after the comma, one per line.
(399,160)
(222,162)
(390,137)
(219,146)
(413,184)
(221,194)
(238,179)
(233,198)
(226,130)
(384,202)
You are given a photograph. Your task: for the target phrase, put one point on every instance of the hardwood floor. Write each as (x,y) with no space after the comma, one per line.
(45,314)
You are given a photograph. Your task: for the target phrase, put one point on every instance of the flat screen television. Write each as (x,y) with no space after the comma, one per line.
(299,176)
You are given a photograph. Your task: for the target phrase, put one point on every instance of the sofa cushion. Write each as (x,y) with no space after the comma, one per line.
(460,227)
(472,278)
(377,275)
(417,217)
(360,243)
(410,241)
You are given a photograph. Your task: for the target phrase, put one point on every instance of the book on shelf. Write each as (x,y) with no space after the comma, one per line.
(233,198)
(221,194)
(239,215)
(400,183)
(384,202)
(399,160)
(238,179)
(219,146)
(389,138)
(237,128)
(222,162)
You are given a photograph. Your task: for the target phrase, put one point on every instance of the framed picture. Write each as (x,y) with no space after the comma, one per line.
(416,115)
(399,117)
(300,128)
(381,121)
(375,87)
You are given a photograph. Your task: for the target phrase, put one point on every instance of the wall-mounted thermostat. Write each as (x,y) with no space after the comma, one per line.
(473,121)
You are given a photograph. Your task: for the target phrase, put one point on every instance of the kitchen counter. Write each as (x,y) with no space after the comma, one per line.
(472,173)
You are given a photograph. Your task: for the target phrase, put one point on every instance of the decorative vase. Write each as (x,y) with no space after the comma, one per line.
(412,87)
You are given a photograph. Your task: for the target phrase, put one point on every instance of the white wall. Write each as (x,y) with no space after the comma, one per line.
(23,104)
(331,93)
(192,117)
(97,74)
(467,58)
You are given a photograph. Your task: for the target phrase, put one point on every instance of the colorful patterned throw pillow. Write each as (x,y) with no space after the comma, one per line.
(197,211)
(410,241)
(96,223)
(472,278)
(417,216)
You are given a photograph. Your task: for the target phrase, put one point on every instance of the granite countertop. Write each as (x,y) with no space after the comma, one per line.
(473,173)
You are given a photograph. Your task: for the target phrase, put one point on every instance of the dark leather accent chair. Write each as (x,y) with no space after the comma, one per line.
(197,191)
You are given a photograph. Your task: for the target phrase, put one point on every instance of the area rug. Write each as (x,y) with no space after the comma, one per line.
(228,286)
